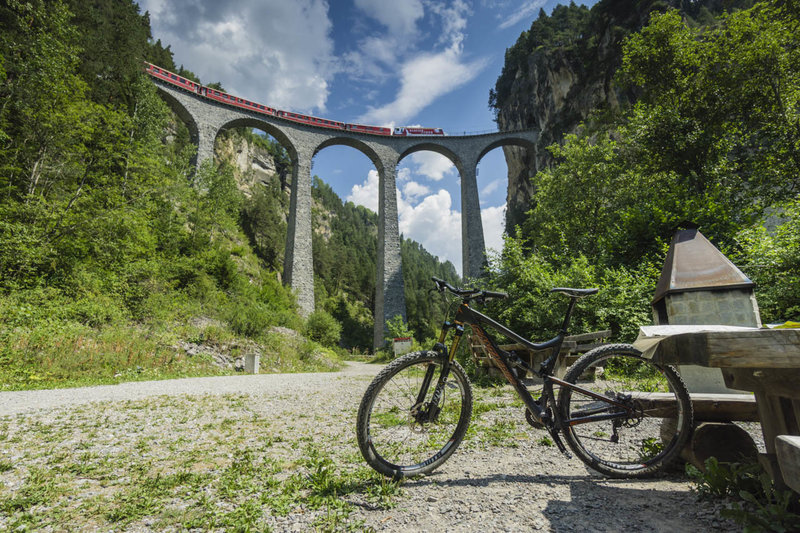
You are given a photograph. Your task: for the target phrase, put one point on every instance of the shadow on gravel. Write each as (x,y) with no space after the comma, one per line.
(595,503)
(625,505)
(537,479)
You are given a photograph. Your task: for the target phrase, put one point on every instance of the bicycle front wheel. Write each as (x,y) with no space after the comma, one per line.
(401,431)
(637,441)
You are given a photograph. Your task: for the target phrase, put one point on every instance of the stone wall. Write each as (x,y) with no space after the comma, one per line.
(729,307)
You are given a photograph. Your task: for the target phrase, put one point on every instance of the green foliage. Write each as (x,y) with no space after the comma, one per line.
(772,260)
(323,328)
(712,139)
(397,328)
(531,310)
(108,239)
(757,505)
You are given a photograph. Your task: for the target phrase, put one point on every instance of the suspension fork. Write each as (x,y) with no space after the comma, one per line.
(433,410)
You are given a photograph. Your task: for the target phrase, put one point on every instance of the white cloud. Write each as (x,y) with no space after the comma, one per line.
(276,52)
(494,223)
(366,194)
(423,79)
(529,10)
(399,17)
(433,224)
(491,187)
(454,22)
(413,190)
(432,165)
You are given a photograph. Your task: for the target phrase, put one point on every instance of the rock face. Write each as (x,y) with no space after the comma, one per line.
(555,97)
(252,163)
(560,74)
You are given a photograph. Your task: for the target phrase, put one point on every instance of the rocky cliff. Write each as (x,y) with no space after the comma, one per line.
(560,74)
(252,158)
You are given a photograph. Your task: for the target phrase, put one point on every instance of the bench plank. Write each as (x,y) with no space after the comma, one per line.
(707,407)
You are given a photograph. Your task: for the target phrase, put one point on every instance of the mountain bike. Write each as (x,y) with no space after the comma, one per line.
(620,413)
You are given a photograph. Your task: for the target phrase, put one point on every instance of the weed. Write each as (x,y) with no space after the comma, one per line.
(756,505)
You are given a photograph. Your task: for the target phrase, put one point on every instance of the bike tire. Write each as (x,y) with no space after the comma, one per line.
(643,444)
(390,439)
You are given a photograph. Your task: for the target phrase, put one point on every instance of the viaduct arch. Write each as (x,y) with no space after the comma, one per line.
(206,118)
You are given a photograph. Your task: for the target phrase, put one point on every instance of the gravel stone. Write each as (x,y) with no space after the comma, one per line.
(481,488)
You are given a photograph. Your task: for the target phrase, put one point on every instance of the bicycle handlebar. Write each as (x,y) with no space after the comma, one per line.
(468,294)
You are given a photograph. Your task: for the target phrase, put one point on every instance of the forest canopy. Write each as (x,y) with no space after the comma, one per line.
(713,138)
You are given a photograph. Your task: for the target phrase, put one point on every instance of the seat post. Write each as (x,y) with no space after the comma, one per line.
(565,325)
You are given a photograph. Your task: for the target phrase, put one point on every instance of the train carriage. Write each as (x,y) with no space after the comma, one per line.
(310,120)
(372,130)
(414,132)
(172,78)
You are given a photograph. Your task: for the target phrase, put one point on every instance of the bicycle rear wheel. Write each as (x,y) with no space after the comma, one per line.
(401,436)
(652,433)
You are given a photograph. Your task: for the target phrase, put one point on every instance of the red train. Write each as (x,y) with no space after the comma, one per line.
(229,99)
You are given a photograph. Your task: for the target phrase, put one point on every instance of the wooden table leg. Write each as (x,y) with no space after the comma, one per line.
(779,416)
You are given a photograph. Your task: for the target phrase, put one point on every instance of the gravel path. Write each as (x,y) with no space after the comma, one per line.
(15,402)
(483,487)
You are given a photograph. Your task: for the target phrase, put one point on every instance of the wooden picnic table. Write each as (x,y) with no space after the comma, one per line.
(764,361)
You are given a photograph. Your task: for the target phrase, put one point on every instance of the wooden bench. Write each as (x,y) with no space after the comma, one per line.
(707,407)
(571,349)
(713,434)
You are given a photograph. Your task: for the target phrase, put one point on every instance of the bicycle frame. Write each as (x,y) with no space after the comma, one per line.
(550,417)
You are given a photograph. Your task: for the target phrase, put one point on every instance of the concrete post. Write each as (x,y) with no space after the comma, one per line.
(298,266)
(389,285)
(473,247)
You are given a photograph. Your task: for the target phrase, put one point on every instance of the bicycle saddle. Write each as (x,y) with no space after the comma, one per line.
(575,293)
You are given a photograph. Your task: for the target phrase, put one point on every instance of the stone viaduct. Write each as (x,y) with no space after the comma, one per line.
(206,118)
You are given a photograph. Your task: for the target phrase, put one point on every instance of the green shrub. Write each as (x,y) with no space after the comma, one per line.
(321,327)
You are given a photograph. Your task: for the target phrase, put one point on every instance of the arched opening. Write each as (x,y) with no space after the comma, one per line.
(259,159)
(429,218)
(344,237)
(492,178)
(429,201)
(495,164)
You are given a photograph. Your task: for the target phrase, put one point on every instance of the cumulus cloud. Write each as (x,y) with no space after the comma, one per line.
(366,194)
(413,190)
(527,11)
(494,223)
(432,165)
(434,224)
(272,51)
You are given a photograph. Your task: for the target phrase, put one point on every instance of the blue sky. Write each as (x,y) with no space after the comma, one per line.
(379,62)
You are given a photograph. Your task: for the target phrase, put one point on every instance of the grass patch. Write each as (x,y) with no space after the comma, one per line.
(179,463)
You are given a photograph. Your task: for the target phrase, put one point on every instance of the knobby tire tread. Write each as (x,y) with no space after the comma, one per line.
(681,392)
(375,387)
